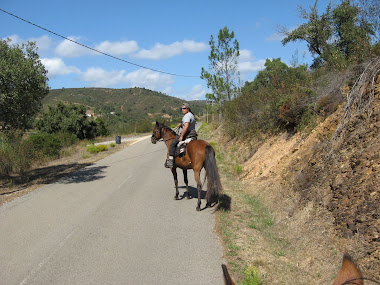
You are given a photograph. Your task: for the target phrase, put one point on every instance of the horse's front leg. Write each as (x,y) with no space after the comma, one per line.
(174,171)
(187,194)
(199,187)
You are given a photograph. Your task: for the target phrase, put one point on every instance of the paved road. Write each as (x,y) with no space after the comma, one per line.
(114,222)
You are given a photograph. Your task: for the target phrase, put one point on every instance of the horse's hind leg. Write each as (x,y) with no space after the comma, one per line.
(174,171)
(199,187)
(187,194)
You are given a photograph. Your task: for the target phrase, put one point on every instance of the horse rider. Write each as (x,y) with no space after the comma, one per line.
(188,125)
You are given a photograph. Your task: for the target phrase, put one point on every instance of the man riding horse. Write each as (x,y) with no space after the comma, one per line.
(188,127)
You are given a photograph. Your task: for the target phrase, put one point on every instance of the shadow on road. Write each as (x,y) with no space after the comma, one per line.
(193,192)
(87,174)
(224,203)
(69,173)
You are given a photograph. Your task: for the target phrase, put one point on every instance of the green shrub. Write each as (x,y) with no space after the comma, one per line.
(92,149)
(47,144)
(238,169)
(16,155)
(101,147)
(112,144)
(6,157)
(67,139)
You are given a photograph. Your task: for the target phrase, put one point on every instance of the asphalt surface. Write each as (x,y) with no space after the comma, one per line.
(114,222)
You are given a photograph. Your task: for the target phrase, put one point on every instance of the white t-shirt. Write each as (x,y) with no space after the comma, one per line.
(189,118)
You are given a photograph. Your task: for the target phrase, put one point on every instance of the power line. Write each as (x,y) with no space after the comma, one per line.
(98,51)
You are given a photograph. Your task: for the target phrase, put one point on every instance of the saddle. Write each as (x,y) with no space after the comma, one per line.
(180,149)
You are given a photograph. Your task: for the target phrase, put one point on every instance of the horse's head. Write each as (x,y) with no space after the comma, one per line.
(156,135)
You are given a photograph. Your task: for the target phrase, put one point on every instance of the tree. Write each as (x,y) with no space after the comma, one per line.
(336,37)
(23,84)
(369,11)
(316,32)
(223,76)
(353,34)
(67,118)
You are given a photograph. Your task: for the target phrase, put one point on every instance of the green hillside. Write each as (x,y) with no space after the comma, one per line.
(124,110)
(131,103)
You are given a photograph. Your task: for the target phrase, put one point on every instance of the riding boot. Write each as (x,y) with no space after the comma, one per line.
(169,163)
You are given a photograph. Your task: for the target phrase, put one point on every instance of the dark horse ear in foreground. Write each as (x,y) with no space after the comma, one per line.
(348,274)
(199,154)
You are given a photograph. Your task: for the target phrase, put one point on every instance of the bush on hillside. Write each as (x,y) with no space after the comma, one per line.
(46,144)
(277,100)
(67,118)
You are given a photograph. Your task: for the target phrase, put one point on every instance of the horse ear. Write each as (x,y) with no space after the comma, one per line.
(349,271)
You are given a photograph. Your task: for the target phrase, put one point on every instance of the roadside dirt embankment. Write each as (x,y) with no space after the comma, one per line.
(323,191)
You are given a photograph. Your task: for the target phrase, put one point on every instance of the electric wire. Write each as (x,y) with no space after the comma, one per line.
(98,51)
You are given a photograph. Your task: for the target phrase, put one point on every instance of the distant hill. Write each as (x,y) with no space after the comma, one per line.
(130,103)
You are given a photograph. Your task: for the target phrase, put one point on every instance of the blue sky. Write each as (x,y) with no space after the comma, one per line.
(171,36)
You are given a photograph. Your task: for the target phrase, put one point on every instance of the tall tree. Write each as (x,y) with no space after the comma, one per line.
(336,37)
(316,31)
(23,84)
(223,76)
(354,35)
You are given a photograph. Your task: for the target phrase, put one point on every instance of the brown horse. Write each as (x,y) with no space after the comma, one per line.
(199,154)
(349,273)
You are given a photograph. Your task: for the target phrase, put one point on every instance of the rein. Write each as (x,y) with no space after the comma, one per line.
(163,138)
(169,131)
(352,281)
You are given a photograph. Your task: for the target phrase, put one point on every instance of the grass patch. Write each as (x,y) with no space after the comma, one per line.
(238,169)
(248,226)
(94,149)
(258,215)
(251,276)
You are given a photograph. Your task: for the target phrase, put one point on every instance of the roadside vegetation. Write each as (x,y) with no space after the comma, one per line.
(276,231)
(284,140)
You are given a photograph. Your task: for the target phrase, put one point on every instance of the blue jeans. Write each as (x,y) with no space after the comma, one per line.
(173,145)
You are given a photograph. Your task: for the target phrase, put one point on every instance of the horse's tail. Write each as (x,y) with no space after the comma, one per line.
(214,186)
(226,275)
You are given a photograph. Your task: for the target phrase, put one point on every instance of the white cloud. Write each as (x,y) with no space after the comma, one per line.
(245,55)
(160,51)
(251,66)
(118,48)
(248,63)
(103,78)
(56,66)
(197,93)
(43,42)
(275,37)
(68,48)
(149,79)
(139,78)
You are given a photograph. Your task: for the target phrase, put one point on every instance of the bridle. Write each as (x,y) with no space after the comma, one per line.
(163,138)
(159,130)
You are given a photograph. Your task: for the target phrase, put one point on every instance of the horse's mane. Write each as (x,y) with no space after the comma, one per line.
(162,126)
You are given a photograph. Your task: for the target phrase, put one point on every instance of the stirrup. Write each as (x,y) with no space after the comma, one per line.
(169,163)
